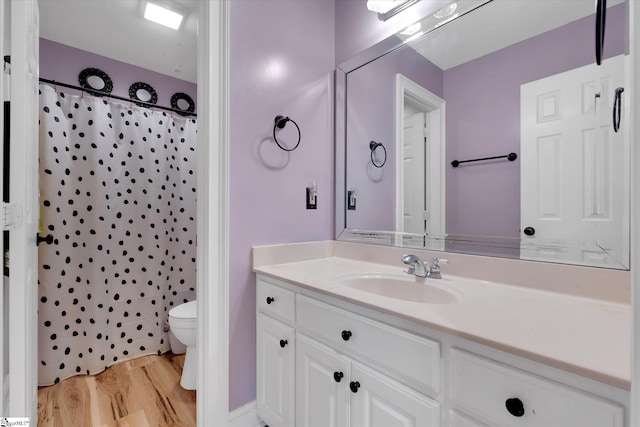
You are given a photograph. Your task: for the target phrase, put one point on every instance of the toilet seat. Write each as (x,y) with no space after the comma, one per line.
(184,311)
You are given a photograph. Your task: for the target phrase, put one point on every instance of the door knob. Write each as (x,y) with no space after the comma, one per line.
(346,335)
(48,239)
(529,231)
(338,376)
(283,343)
(354,386)
(270,300)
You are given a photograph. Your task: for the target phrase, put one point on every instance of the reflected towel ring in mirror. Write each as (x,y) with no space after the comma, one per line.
(96,79)
(280,122)
(141,91)
(183,102)
(373,146)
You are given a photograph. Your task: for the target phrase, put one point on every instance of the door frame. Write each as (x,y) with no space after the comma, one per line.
(407,89)
(4,381)
(213,213)
(212,223)
(634,93)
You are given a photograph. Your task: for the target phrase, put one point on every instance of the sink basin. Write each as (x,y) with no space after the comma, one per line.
(402,287)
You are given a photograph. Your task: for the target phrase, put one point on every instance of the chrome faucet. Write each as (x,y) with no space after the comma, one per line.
(416,265)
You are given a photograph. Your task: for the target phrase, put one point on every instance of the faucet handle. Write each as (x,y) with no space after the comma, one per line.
(434,270)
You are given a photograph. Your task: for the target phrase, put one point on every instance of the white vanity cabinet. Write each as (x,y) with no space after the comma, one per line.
(333,390)
(505,396)
(344,365)
(275,352)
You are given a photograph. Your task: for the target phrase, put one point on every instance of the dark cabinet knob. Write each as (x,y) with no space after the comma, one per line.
(346,335)
(283,343)
(270,300)
(48,239)
(529,231)
(354,386)
(515,406)
(338,376)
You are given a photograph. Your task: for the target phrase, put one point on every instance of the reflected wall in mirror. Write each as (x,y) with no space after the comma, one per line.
(497,77)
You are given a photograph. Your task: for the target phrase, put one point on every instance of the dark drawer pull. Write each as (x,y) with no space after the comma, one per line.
(338,376)
(346,335)
(354,386)
(270,300)
(515,407)
(283,343)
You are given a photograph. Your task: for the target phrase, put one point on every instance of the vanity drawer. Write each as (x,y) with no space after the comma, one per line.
(406,357)
(482,388)
(275,301)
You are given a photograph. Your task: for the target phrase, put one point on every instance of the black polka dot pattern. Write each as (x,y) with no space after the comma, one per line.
(117,191)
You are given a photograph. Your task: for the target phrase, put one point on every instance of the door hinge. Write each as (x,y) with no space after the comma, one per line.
(11,216)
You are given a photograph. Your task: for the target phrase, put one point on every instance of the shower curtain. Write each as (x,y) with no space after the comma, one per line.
(118,193)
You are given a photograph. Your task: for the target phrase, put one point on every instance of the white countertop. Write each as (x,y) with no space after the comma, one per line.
(587,337)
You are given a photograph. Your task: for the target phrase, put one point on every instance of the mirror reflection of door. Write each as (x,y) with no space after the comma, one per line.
(414,159)
(570,164)
(420,190)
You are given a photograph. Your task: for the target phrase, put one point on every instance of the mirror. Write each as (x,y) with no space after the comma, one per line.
(498,130)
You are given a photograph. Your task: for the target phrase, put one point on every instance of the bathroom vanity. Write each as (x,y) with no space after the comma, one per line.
(469,353)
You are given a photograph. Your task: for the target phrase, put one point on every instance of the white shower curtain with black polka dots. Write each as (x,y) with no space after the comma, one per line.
(117,192)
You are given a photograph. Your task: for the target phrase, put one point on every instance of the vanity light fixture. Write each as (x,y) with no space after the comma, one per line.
(388,8)
(163,12)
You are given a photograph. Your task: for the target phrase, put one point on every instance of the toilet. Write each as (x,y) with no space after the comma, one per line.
(183,322)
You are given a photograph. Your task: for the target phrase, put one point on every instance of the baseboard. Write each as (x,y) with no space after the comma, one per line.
(245,416)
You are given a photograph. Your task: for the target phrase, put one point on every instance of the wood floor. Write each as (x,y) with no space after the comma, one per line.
(143,392)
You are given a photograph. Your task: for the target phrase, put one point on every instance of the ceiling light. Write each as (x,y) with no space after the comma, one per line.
(164,13)
(388,8)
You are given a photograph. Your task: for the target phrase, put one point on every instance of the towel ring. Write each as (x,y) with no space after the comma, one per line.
(373,145)
(280,123)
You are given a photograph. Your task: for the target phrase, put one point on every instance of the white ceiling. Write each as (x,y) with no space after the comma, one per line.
(496,25)
(116,29)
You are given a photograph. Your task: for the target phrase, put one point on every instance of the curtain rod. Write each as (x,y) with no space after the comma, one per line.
(145,104)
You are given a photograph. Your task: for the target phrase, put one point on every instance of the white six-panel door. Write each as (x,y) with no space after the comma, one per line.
(574,167)
(413,153)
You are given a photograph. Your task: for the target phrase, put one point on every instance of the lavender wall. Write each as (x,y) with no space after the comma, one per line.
(63,63)
(371,116)
(282,54)
(483,119)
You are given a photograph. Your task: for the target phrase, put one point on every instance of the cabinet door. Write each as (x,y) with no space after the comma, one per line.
(322,385)
(379,401)
(275,372)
